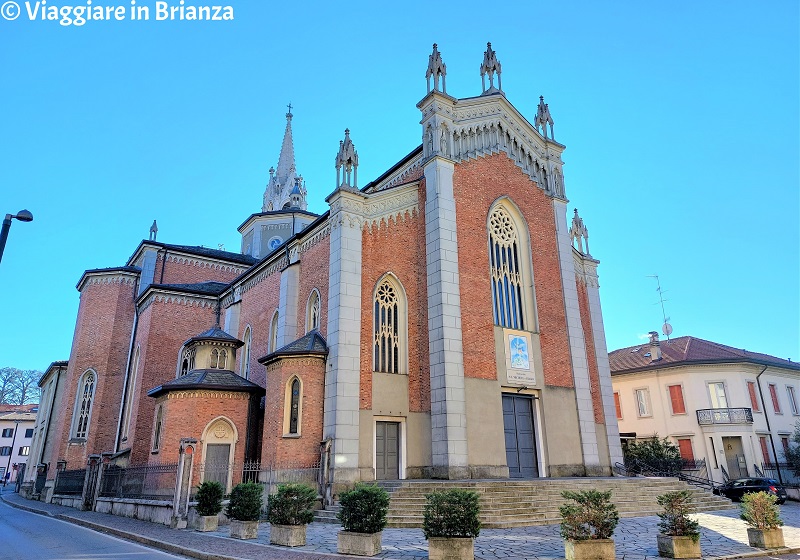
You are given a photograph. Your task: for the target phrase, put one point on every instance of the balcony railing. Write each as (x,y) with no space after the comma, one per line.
(708,416)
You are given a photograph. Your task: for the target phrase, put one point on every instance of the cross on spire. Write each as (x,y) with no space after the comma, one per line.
(289,114)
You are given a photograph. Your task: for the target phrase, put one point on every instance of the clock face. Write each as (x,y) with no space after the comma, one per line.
(274,243)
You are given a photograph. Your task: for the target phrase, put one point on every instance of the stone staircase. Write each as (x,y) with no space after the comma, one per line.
(519,503)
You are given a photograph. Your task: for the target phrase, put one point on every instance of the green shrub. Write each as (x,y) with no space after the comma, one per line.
(364,509)
(760,511)
(592,516)
(209,498)
(653,454)
(675,521)
(292,504)
(245,504)
(451,513)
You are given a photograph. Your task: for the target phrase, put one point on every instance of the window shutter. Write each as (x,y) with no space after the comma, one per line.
(764,450)
(774,394)
(685,448)
(618,405)
(676,395)
(751,388)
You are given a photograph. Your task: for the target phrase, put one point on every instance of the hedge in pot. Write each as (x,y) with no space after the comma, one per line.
(290,509)
(587,525)
(209,504)
(680,535)
(363,517)
(763,517)
(244,509)
(450,523)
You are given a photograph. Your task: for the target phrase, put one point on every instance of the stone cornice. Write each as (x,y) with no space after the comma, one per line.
(367,210)
(152,295)
(294,361)
(200,394)
(194,260)
(409,172)
(585,269)
(110,276)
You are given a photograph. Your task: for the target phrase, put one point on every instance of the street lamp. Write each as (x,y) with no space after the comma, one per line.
(22,216)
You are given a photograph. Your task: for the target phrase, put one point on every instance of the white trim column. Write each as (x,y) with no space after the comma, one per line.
(448,403)
(342,376)
(287,304)
(577,345)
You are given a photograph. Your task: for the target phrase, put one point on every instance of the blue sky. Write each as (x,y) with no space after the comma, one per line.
(680,121)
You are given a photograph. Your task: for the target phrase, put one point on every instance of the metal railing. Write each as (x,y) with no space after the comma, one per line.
(698,478)
(146,482)
(70,482)
(709,416)
(788,475)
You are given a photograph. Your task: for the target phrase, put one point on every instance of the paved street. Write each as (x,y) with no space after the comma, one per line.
(27,536)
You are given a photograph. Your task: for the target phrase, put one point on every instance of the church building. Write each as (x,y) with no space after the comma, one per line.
(441,320)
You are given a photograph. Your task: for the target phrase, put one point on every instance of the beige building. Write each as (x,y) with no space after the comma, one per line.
(733,408)
(16,432)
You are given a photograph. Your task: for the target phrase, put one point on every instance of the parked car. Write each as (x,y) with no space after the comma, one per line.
(735,489)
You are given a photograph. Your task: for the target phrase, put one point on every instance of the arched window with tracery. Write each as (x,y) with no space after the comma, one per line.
(83,409)
(505,261)
(390,327)
(219,359)
(187,361)
(294,407)
(312,312)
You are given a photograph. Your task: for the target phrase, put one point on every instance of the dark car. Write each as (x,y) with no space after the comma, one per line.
(735,489)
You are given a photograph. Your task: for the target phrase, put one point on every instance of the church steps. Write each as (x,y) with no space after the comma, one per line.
(518,503)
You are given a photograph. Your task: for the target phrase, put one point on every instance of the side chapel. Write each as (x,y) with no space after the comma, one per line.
(441,321)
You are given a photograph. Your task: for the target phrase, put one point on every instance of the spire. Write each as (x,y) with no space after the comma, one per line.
(284,179)
(490,66)
(436,68)
(153,231)
(543,118)
(347,163)
(579,233)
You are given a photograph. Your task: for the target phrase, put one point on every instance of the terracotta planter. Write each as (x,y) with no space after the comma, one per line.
(678,547)
(244,529)
(359,544)
(765,538)
(592,549)
(287,535)
(441,548)
(206,523)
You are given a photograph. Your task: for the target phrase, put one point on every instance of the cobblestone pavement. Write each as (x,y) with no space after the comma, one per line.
(724,535)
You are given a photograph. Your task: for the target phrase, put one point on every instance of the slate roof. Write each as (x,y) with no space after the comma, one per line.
(689,350)
(205,288)
(216,333)
(202,252)
(213,379)
(311,344)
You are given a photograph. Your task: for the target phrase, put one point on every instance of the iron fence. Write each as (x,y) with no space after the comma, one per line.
(70,482)
(269,476)
(708,416)
(788,475)
(146,482)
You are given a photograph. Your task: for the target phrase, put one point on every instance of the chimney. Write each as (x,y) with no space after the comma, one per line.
(655,347)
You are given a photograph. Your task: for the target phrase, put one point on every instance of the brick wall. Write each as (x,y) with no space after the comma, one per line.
(397,247)
(258,306)
(314,269)
(185,270)
(477,184)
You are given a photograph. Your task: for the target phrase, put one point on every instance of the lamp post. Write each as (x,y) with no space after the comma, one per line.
(22,216)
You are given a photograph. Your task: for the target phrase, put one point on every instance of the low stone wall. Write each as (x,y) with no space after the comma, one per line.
(67,501)
(794,494)
(156,511)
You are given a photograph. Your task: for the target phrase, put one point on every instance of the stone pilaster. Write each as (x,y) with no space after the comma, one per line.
(287,305)
(577,345)
(448,404)
(603,366)
(342,376)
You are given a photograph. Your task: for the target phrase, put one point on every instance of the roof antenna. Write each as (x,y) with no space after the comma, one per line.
(666,328)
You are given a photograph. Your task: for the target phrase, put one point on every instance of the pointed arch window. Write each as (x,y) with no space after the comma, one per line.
(158,428)
(294,407)
(506,270)
(273,333)
(312,312)
(219,359)
(390,332)
(187,361)
(83,408)
(248,342)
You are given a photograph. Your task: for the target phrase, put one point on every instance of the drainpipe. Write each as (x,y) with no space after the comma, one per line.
(127,368)
(766,417)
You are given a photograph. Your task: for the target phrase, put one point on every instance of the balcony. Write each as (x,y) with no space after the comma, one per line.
(709,416)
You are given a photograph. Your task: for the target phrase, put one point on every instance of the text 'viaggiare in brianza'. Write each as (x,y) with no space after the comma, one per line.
(89,11)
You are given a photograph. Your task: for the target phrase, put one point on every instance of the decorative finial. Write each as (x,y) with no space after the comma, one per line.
(153,231)
(289,114)
(490,66)
(347,163)
(579,233)
(543,118)
(436,68)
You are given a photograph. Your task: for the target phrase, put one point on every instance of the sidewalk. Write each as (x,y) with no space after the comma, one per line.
(724,535)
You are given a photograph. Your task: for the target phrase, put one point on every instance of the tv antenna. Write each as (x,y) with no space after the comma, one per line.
(666,328)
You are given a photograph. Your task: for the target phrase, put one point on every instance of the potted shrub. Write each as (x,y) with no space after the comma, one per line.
(290,509)
(587,525)
(763,517)
(209,504)
(680,535)
(244,509)
(450,524)
(363,517)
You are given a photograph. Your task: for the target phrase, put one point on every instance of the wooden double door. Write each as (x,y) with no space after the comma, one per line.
(520,434)
(387,450)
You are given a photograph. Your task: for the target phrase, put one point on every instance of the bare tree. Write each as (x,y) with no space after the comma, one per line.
(18,386)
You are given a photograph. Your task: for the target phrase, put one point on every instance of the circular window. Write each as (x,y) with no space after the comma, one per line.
(274,243)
